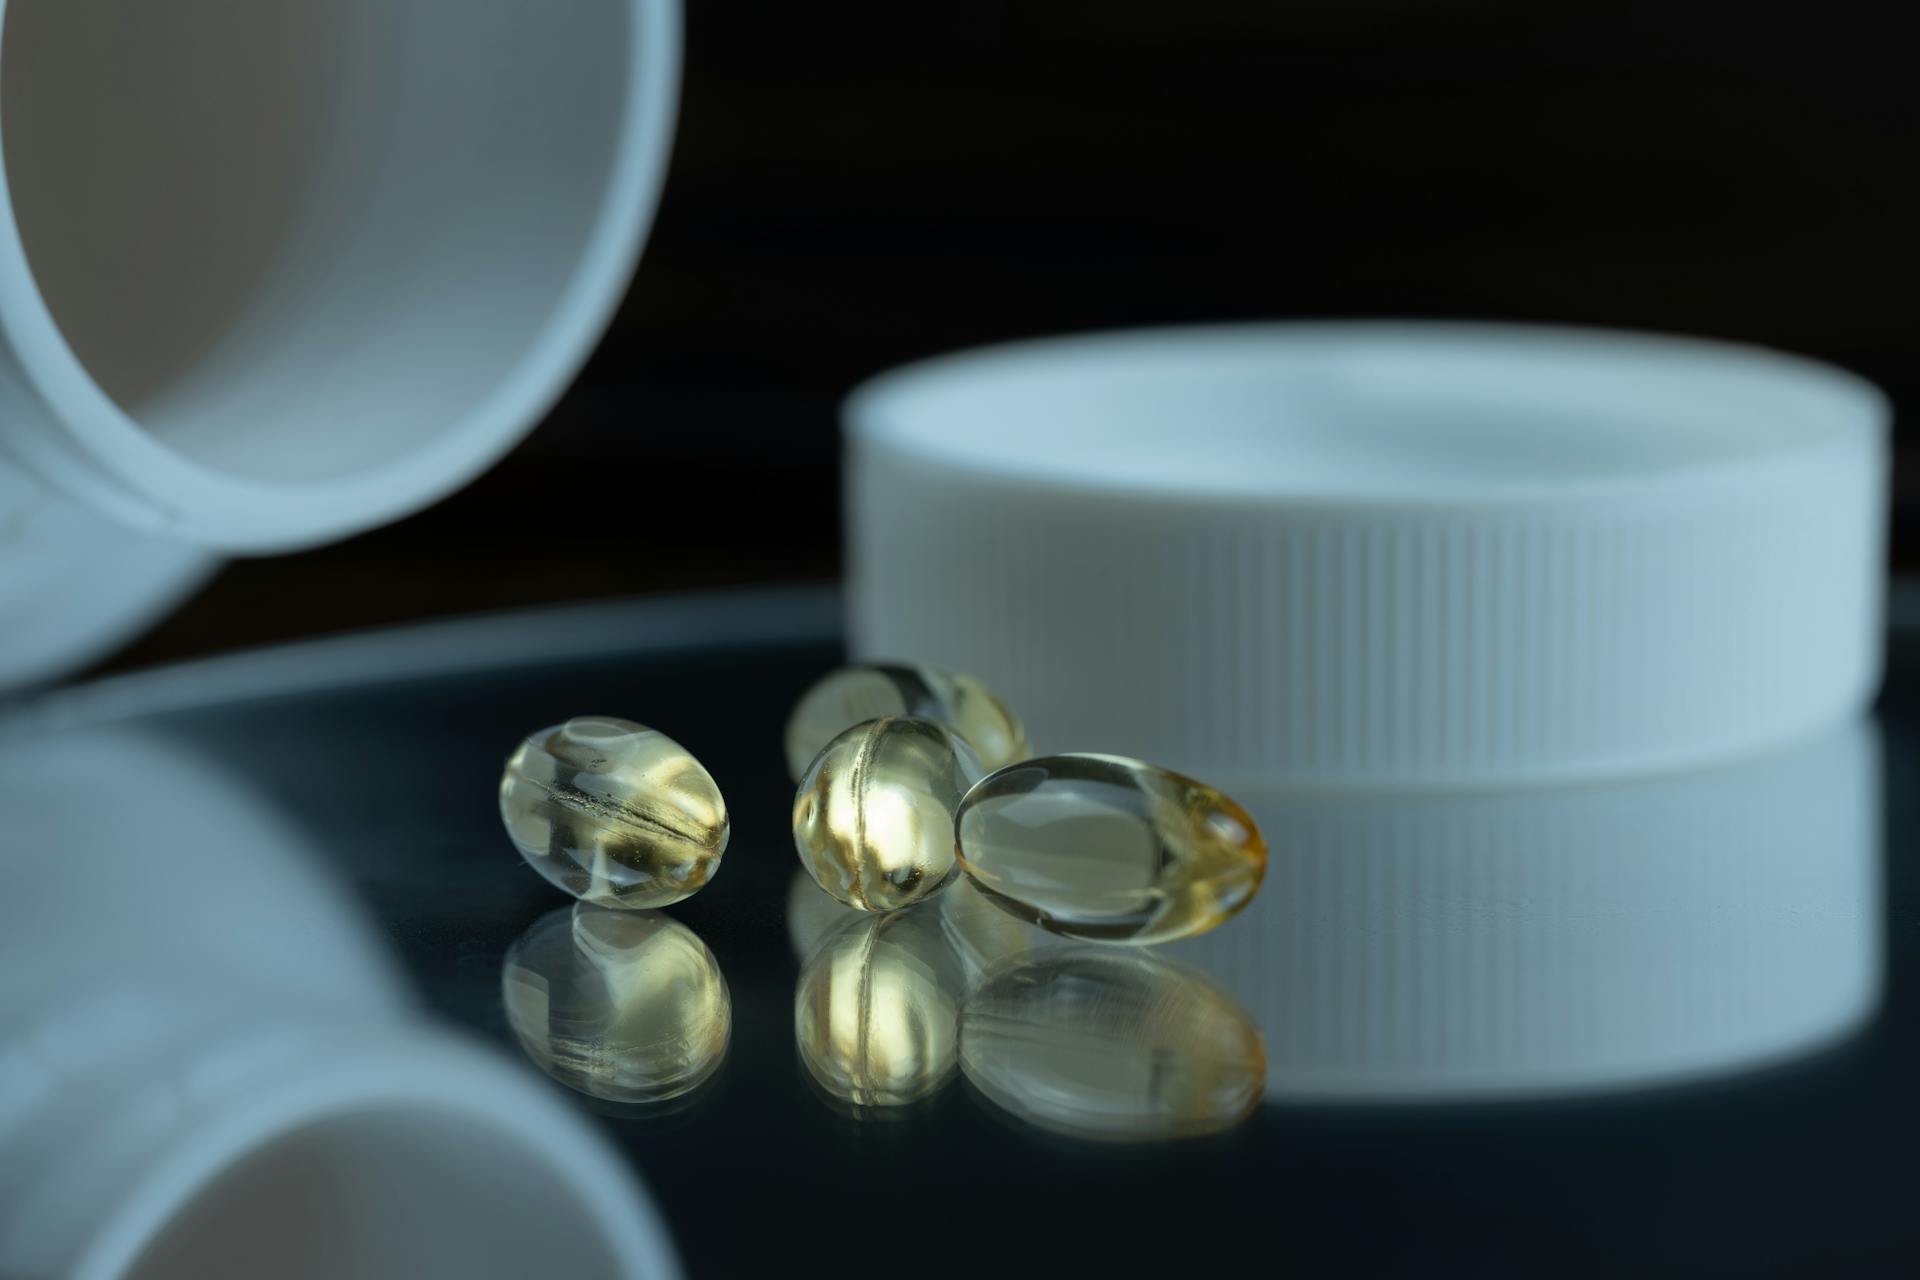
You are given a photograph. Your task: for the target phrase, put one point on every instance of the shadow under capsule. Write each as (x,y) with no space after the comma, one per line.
(1434,946)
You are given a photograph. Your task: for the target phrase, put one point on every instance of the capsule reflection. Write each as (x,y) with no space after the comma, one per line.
(628,1006)
(1112,1046)
(876,1012)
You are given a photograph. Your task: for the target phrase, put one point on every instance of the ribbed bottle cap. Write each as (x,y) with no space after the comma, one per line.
(1380,553)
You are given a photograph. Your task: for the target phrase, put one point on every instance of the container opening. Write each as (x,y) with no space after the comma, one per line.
(296,241)
(1361,409)
(385,1192)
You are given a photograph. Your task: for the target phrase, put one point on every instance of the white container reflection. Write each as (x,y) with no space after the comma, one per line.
(1427,946)
(209,1065)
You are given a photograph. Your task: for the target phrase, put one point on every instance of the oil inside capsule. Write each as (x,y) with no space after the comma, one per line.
(615,813)
(873,817)
(1110,849)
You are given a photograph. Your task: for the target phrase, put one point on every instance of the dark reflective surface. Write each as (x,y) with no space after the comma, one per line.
(1656,1025)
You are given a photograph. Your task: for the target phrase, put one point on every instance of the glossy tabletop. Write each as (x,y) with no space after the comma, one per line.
(1660,1025)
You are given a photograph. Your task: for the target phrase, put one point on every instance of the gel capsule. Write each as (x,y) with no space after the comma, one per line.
(626,1006)
(873,818)
(854,695)
(616,814)
(1114,1046)
(876,1014)
(1109,849)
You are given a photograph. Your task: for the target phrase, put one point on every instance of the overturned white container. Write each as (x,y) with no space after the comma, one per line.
(1364,554)
(274,274)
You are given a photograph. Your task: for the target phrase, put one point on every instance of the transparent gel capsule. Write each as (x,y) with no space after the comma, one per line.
(1113,1046)
(615,813)
(626,1006)
(854,695)
(1109,849)
(873,818)
(876,1013)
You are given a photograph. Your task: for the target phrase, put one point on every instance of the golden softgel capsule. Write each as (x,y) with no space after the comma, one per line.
(873,818)
(1109,849)
(613,812)
(854,695)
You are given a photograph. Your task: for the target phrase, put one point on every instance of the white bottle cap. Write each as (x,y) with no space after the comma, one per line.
(1380,553)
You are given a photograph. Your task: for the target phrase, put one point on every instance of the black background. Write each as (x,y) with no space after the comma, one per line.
(858,184)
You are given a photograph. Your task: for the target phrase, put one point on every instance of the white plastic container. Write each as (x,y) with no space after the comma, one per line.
(1375,554)
(274,274)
